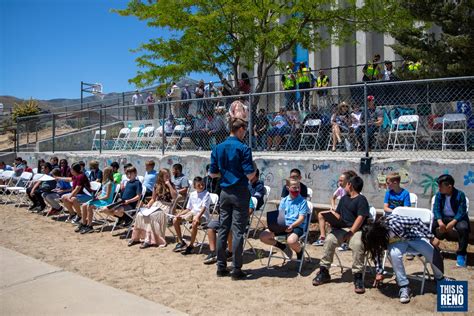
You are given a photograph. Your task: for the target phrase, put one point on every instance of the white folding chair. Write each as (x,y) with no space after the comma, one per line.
(144,137)
(247,232)
(307,135)
(175,136)
(303,240)
(19,189)
(426,217)
(454,124)
(407,126)
(157,138)
(310,194)
(132,138)
(35,170)
(413,199)
(141,179)
(214,203)
(259,213)
(99,136)
(121,139)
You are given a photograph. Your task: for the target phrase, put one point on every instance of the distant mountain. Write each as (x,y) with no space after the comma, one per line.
(59,104)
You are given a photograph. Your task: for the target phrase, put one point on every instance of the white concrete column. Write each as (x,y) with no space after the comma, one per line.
(388,52)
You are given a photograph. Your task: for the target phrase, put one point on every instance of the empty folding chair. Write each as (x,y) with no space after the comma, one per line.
(407,127)
(172,140)
(303,241)
(310,132)
(259,213)
(454,124)
(144,137)
(121,139)
(310,194)
(157,139)
(19,189)
(132,138)
(99,137)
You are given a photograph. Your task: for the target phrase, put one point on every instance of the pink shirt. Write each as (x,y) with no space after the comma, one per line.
(339,193)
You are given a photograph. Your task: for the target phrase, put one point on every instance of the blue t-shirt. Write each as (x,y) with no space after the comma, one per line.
(63,185)
(233,159)
(150,180)
(394,199)
(293,209)
(132,189)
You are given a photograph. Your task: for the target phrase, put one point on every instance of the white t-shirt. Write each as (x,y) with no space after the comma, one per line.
(448,210)
(199,200)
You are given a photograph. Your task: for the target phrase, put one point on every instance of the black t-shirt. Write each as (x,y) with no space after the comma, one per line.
(350,208)
(303,191)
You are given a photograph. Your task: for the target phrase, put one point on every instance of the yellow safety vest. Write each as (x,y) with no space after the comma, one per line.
(372,70)
(289,82)
(322,82)
(302,76)
(414,66)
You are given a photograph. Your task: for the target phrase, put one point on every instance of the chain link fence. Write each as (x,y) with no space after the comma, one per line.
(423,118)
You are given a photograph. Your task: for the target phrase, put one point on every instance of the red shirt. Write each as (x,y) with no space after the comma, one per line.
(82,181)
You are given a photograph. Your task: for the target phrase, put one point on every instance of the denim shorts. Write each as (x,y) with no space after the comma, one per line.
(83,198)
(297,230)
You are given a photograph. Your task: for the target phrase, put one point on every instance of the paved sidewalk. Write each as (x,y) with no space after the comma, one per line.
(31,287)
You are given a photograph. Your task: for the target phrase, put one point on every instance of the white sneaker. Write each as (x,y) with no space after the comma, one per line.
(405,294)
(343,247)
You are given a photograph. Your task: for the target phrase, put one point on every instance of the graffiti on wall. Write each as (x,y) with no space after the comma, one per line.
(469,178)
(381,177)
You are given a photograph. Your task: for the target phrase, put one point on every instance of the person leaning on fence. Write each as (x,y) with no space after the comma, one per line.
(196,213)
(303,78)
(374,121)
(450,213)
(137,101)
(340,121)
(295,208)
(351,213)
(131,194)
(260,130)
(398,234)
(232,162)
(80,187)
(150,101)
(151,228)
(175,95)
(104,198)
(395,196)
(288,81)
(39,188)
(337,195)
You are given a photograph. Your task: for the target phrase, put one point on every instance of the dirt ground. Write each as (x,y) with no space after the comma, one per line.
(186,284)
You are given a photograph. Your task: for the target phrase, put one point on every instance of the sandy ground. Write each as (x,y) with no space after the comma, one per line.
(184,283)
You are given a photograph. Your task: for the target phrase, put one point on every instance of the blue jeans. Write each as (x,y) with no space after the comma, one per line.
(422,246)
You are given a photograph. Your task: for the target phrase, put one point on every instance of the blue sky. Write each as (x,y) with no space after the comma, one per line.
(48,46)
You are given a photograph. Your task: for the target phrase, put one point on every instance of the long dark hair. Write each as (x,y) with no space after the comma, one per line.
(375,238)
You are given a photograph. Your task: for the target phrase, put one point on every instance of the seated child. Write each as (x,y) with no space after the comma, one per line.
(72,201)
(398,234)
(212,229)
(295,174)
(103,199)
(117,175)
(130,196)
(352,211)
(395,196)
(450,212)
(196,212)
(295,208)
(52,198)
(337,195)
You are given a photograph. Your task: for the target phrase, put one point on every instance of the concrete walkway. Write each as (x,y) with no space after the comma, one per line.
(31,287)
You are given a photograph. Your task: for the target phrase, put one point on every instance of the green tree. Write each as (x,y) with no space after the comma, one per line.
(219,36)
(444,54)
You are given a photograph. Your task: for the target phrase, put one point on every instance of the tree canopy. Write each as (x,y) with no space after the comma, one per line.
(220,36)
(442,54)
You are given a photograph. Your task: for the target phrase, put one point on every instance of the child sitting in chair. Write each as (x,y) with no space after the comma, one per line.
(295,208)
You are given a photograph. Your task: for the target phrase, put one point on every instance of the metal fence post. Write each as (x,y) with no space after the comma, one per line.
(366,117)
(100,129)
(123,106)
(250,127)
(162,123)
(54,133)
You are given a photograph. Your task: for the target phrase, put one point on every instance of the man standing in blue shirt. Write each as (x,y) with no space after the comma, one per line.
(231,160)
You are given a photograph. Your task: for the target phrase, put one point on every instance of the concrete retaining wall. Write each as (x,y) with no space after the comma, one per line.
(319,174)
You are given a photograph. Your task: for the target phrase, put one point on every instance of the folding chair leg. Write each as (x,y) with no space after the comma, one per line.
(270,256)
(340,263)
